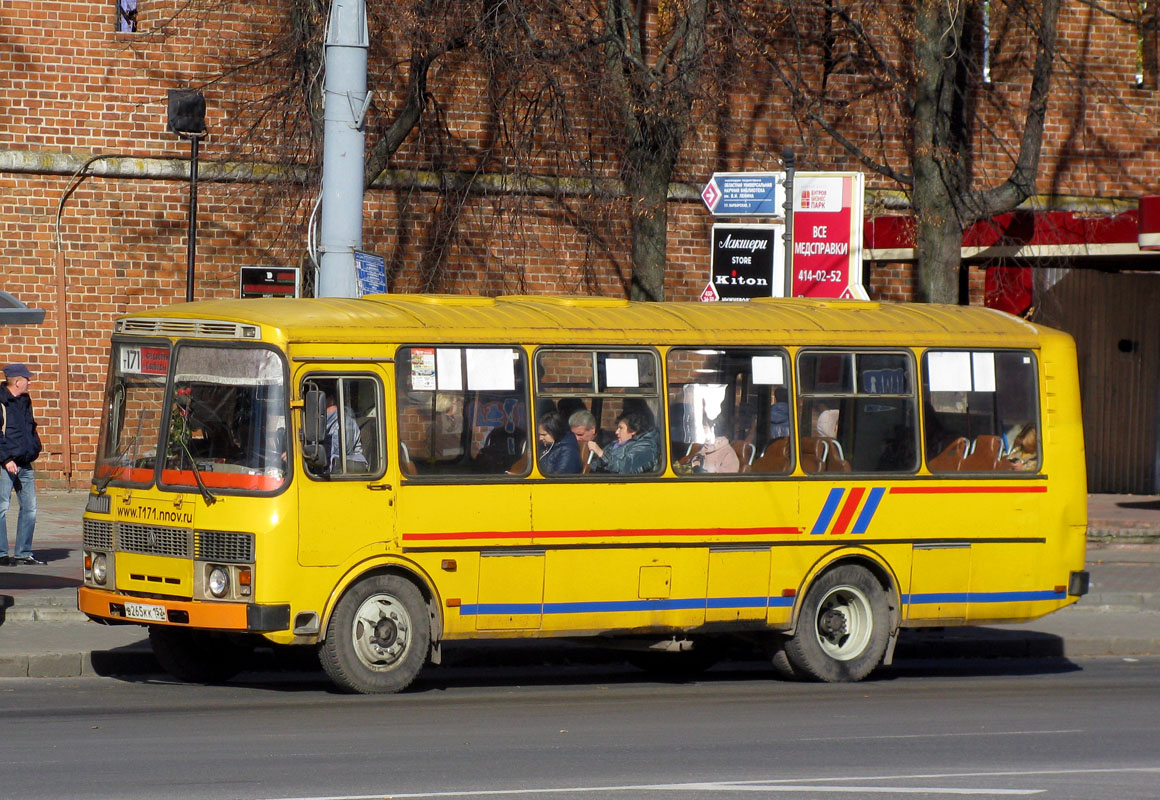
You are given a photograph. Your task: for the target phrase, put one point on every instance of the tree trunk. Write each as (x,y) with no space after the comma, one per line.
(648,186)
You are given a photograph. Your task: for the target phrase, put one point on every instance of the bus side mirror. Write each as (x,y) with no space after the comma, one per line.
(314,430)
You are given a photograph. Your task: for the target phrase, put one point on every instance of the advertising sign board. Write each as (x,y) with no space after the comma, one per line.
(827,235)
(746,262)
(268,282)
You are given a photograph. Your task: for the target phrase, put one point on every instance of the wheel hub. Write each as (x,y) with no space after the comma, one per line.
(832,624)
(381,632)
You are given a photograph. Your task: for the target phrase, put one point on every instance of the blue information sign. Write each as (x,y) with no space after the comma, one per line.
(371,273)
(739,194)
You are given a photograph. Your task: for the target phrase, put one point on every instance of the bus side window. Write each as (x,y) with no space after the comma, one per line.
(353,429)
(583,392)
(857,412)
(981,411)
(728,411)
(462,410)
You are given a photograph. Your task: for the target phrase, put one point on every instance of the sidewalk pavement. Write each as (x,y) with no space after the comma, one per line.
(43,635)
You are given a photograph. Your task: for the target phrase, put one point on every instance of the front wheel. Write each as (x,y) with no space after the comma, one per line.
(843,628)
(378,637)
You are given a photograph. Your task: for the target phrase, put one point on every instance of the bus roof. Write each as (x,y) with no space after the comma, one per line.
(564,319)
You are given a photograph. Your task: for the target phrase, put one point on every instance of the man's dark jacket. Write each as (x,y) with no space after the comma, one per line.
(19,441)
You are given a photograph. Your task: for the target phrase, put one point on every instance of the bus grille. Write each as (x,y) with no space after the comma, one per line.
(153,540)
(236,548)
(97,535)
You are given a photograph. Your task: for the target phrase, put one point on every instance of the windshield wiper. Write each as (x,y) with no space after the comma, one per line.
(206,494)
(104,482)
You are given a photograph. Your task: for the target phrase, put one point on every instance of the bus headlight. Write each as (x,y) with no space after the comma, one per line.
(100,569)
(219,581)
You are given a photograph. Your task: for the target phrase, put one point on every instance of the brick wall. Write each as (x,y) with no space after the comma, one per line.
(75,86)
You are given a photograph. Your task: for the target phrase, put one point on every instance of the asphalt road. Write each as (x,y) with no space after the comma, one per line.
(1060,729)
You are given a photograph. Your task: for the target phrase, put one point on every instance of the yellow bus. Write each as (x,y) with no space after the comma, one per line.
(375,477)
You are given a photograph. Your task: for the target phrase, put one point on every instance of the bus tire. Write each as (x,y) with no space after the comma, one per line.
(197,656)
(843,627)
(780,661)
(378,636)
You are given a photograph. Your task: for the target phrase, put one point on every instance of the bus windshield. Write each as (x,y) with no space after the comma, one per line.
(224,427)
(130,429)
(226,422)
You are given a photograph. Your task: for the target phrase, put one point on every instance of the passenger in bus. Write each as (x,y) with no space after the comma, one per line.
(779,414)
(718,455)
(1024,453)
(637,447)
(355,460)
(583,425)
(559,453)
(827,424)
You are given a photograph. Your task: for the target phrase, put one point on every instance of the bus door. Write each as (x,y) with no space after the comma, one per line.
(345,499)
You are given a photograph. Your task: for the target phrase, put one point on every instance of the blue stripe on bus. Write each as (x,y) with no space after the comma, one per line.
(863,521)
(832,501)
(609,606)
(981,597)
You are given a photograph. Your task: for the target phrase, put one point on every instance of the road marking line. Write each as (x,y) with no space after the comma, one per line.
(768,785)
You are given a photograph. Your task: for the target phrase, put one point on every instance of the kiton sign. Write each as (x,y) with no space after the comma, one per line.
(743,261)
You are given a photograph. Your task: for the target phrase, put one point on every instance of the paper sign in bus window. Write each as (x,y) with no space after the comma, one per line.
(423,369)
(768,370)
(983,371)
(491,370)
(449,369)
(949,372)
(621,373)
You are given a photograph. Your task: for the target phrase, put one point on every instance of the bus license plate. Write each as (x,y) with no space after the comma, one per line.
(145,612)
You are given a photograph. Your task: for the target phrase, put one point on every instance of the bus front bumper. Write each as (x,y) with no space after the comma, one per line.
(249,617)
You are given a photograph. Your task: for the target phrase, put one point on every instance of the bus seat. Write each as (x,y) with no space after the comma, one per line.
(406,465)
(368,436)
(812,452)
(985,455)
(835,458)
(521,465)
(742,449)
(775,458)
(694,448)
(951,458)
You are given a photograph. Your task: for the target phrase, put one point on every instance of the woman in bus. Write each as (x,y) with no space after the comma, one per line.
(559,452)
(637,447)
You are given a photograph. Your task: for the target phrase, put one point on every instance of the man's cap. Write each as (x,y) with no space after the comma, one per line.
(17,371)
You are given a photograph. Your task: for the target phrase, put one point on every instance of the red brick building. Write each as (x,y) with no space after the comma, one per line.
(94,197)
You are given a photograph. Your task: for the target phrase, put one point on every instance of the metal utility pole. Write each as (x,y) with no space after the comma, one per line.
(344,145)
(787,158)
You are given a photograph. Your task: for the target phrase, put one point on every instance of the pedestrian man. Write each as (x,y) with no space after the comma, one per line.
(19,447)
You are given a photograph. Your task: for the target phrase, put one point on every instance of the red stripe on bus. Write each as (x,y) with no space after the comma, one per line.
(967,489)
(611,534)
(848,509)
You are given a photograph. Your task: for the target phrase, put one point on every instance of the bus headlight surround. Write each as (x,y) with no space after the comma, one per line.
(219,581)
(100,569)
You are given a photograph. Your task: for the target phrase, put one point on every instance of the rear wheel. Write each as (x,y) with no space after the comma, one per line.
(843,628)
(780,661)
(378,637)
(197,656)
